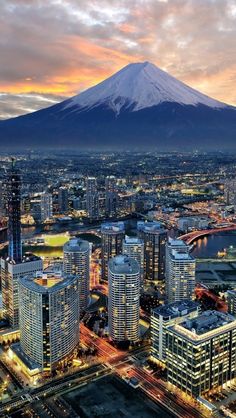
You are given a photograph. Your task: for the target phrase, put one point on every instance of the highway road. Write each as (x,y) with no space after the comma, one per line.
(90,339)
(56,387)
(157,391)
(111,360)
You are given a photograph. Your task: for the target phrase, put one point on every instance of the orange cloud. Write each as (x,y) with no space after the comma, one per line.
(62,48)
(127,28)
(69,80)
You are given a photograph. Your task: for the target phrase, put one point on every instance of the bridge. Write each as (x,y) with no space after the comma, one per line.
(195,235)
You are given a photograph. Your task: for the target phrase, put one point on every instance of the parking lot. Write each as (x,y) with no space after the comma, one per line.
(225,401)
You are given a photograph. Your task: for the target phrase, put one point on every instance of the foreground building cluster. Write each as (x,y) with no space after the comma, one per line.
(164,317)
(201,352)
(45,308)
(197,349)
(49,320)
(76,262)
(123,298)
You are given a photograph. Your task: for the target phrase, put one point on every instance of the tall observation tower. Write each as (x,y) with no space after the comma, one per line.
(14,212)
(15,265)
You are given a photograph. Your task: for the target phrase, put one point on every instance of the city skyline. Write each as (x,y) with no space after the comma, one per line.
(81,46)
(125,291)
(117,208)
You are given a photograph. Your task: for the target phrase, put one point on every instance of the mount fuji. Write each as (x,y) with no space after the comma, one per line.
(140,106)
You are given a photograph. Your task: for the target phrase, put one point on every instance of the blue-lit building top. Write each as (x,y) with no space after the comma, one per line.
(14,214)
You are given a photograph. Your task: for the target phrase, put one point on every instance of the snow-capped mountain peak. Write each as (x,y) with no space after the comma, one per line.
(138,86)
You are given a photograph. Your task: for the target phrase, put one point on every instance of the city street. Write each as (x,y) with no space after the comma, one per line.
(156,390)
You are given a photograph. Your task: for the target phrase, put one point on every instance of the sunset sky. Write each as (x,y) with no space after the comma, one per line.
(53,49)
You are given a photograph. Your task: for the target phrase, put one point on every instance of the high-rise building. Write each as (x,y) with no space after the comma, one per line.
(63,200)
(14,214)
(180,271)
(92,198)
(123,299)
(113,234)
(2,200)
(15,265)
(154,237)
(10,275)
(111,204)
(110,184)
(46,206)
(230,192)
(111,196)
(164,317)
(201,352)
(133,247)
(77,262)
(49,319)
(231,300)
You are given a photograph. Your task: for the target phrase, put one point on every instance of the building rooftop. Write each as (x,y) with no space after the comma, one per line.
(150,227)
(175,309)
(132,240)
(122,264)
(46,283)
(76,244)
(113,227)
(208,321)
(177,243)
(55,267)
(179,255)
(27,258)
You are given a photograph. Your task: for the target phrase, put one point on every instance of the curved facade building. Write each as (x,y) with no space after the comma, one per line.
(123,300)
(154,237)
(49,318)
(77,262)
(113,234)
(133,247)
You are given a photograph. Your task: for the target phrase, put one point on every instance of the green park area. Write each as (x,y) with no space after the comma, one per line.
(56,240)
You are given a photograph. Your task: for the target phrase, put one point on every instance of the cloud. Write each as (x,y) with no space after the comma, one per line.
(56,48)
(17,104)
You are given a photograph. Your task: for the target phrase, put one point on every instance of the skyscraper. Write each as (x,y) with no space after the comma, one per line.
(92,197)
(15,265)
(180,271)
(110,196)
(165,316)
(46,206)
(14,214)
(49,318)
(63,200)
(2,200)
(10,275)
(123,300)
(201,353)
(230,192)
(154,237)
(77,262)
(133,247)
(110,184)
(113,234)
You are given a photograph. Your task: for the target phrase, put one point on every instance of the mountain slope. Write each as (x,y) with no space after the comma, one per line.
(138,86)
(139,106)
